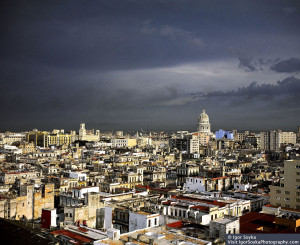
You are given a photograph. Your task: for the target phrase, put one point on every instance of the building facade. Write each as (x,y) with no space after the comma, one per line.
(287,193)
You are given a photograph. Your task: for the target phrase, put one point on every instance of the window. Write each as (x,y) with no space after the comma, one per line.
(212,217)
(149,223)
(297,200)
(287,192)
(286,199)
(66,214)
(155,221)
(278,191)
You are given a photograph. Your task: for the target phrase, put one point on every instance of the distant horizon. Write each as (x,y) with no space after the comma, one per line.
(146,130)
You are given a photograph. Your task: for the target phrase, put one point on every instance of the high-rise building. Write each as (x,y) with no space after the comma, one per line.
(272,140)
(203,123)
(82,131)
(287,193)
(288,138)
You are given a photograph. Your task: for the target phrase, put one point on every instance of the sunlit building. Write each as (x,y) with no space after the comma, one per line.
(203,123)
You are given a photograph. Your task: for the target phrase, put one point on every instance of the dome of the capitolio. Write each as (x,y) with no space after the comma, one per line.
(203,117)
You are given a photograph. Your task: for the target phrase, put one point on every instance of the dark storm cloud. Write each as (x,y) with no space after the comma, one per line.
(286,86)
(289,65)
(111,35)
(61,62)
(246,63)
(284,94)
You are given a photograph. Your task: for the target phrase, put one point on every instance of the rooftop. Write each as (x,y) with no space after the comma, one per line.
(157,235)
(263,223)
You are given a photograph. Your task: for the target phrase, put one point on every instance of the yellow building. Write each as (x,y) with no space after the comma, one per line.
(123,142)
(46,139)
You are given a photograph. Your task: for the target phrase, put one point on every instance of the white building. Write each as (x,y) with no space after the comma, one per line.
(9,138)
(10,149)
(195,184)
(194,144)
(200,184)
(77,192)
(243,187)
(104,218)
(78,175)
(142,220)
(220,227)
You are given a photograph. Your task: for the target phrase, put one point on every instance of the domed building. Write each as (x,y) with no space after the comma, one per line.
(203,123)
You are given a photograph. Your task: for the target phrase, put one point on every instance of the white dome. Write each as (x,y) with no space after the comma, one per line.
(203,123)
(203,117)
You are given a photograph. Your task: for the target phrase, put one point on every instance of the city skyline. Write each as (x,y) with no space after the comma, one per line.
(150,64)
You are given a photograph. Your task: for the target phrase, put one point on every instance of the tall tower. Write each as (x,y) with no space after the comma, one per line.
(82,131)
(203,123)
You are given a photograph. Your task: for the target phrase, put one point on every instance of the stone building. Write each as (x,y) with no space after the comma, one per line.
(88,135)
(220,227)
(83,213)
(28,203)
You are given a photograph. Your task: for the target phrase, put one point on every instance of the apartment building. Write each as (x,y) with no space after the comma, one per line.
(287,192)
(272,140)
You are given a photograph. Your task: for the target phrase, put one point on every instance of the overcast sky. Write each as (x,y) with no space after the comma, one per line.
(149,64)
